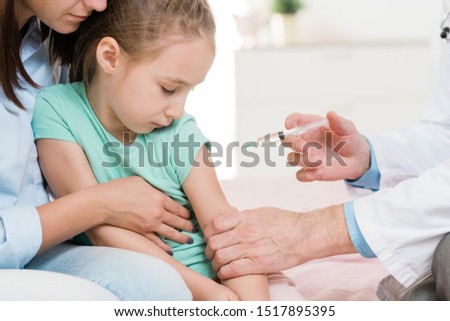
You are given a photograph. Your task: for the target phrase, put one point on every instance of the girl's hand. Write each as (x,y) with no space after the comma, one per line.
(326,154)
(134,204)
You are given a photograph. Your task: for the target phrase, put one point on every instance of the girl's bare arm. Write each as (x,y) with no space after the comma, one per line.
(208,200)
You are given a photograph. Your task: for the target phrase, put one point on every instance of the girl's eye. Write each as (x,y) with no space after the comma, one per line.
(167,91)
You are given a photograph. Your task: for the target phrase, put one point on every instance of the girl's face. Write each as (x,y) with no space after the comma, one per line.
(151,93)
(64,16)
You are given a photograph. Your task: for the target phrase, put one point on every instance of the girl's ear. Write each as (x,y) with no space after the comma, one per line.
(108,54)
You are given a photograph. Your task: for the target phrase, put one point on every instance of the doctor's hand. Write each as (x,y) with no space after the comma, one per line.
(267,240)
(327,154)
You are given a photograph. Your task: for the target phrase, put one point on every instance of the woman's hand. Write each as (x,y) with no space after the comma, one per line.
(326,154)
(134,204)
(82,204)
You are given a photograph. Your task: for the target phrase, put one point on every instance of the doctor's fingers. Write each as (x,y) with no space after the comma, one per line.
(221,224)
(310,175)
(229,255)
(220,243)
(340,125)
(309,159)
(297,144)
(240,267)
(296,119)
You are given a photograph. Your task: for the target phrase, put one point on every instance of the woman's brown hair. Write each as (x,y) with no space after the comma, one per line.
(142,28)
(12,70)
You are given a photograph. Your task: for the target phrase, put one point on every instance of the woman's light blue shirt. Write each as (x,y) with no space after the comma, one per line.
(21,183)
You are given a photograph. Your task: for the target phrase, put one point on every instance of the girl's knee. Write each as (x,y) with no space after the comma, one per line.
(167,282)
(142,277)
(128,275)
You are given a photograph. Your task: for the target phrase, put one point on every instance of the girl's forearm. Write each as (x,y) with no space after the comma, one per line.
(249,287)
(202,180)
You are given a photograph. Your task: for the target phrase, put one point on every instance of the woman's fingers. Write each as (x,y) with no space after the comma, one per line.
(172,234)
(155,239)
(178,222)
(175,208)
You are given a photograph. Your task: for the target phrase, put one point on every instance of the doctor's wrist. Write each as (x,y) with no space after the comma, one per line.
(362,160)
(371,177)
(326,233)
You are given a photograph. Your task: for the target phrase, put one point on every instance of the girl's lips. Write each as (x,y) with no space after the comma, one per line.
(81,18)
(156,125)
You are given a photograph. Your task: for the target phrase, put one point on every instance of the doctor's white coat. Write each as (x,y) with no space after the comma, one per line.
(406,219)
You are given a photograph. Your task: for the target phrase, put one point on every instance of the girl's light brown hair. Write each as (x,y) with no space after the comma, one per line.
(142,28)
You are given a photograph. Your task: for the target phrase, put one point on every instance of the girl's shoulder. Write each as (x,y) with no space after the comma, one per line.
(66,101)
(70,90)
(67,97)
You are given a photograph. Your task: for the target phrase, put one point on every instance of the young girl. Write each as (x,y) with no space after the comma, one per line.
(139,59)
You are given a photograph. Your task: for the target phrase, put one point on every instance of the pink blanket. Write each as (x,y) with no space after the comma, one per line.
(339,278)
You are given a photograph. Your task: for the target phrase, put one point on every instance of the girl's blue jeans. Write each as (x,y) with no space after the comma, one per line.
(127,275)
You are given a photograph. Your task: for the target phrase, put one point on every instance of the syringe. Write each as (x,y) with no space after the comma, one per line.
(294,132)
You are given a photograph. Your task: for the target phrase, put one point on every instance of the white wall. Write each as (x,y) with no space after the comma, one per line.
(370,20)
(213,102)
(373,61)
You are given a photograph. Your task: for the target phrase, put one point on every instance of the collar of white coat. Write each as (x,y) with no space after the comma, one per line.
(446,6)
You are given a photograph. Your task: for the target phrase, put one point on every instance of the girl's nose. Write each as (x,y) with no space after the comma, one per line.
(175,112)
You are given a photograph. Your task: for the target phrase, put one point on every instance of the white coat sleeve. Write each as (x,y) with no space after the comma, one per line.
(407,153)
(404,224)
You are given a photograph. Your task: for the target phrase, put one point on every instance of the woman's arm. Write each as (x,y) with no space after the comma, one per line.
(208,200)
(101,204)
(129,203)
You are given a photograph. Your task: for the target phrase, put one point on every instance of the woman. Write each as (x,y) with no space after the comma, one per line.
(29,224)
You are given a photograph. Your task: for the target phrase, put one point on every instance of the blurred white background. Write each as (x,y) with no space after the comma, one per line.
(371,61)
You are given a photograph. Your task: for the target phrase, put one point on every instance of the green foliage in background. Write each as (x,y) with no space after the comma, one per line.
(286,6)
